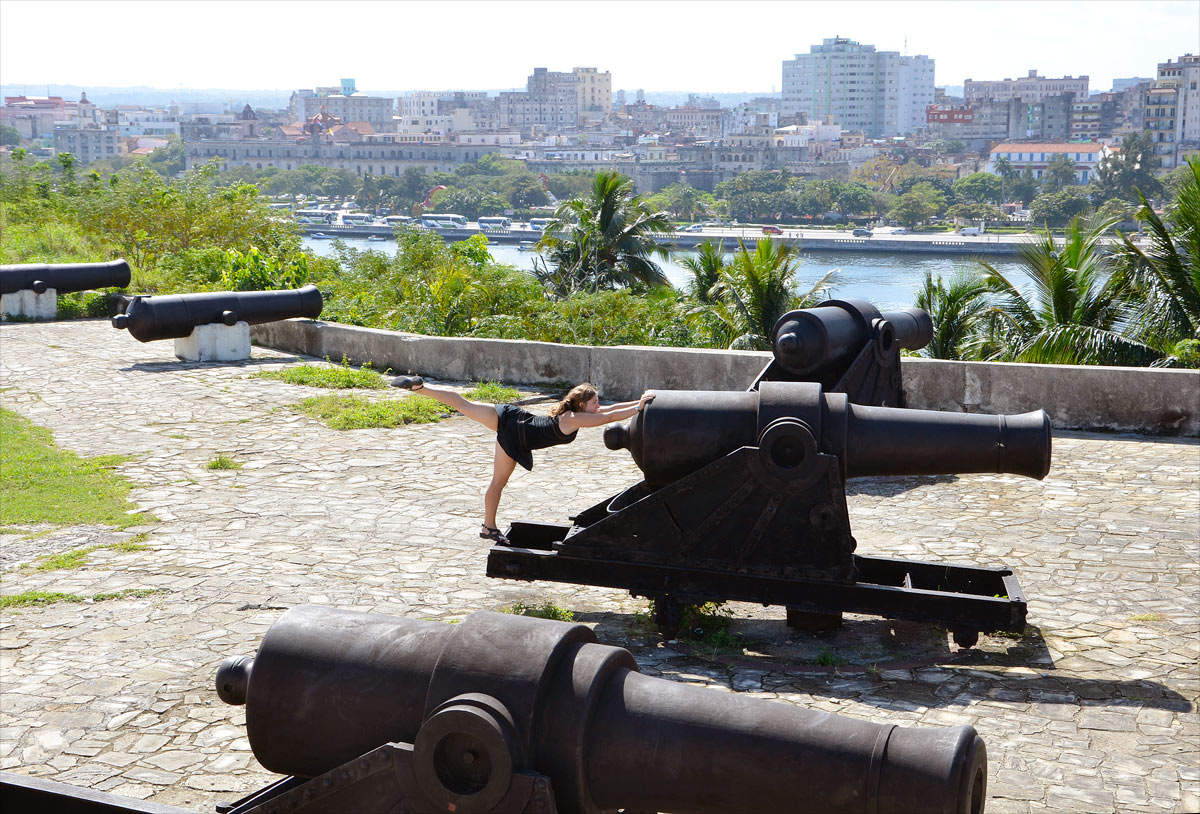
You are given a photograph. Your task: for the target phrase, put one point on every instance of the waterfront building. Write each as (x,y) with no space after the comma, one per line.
(1030,88)
(345,102)
(880,93)
(1036,157)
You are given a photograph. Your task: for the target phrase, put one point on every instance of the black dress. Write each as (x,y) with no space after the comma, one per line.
(519,432)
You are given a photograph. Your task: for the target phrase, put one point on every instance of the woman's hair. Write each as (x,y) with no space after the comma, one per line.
(574,400)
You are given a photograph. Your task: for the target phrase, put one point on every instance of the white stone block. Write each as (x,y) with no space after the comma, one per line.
(215,343)
(28,303)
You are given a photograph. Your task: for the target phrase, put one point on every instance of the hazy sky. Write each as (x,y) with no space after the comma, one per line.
(717,46)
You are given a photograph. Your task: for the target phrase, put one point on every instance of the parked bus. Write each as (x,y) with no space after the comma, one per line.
(280,206)
(488,224)
(444,221)
(314,216)
(396,220)
(539,223)
(357,219)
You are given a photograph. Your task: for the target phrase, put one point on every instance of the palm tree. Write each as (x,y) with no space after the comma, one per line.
(1076,311)
(957,310)
(1004,169)
(605,240)
(755,289)
(706,268)
(1165,277)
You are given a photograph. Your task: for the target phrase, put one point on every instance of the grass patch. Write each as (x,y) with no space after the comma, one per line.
(40,483)
(357,413)
(223,461)
(1147,617)
(546,610)
(827,658)
(493,392)
(340,377)
(78,557)
(41,598)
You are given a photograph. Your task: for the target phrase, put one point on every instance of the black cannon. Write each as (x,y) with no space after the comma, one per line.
(847,346)
(63,277)
(371,713)
(175,316)
(744,499)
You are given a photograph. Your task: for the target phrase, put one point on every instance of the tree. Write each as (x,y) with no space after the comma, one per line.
(9,136)
(522,190)
(705,267)
(1058,208)
(974,212)
(1060,173)
(1076,309)
(1024,186)
(918,205)
(957,310)
(1126,173)
(170,160)
(978,187)
(855,199)
(948,146)
(1004,169)
(755,289)
(683,200)
(606,240)
(1165,276)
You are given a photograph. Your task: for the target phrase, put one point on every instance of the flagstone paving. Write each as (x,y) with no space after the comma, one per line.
(1094,709)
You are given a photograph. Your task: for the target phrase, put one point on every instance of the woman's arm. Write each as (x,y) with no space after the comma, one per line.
(568,422)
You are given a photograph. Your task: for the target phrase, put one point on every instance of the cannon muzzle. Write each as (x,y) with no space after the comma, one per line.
(63,277)
(175,316)
(500,693)
(812,341)
(682,431)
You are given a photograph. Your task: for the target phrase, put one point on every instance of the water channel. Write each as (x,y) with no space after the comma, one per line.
(888,281)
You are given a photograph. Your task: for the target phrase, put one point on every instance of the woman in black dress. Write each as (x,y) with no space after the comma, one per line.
(519,432)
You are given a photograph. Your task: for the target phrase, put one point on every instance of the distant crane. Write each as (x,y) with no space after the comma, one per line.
(546,186)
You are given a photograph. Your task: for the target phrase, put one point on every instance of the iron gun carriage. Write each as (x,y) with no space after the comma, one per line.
(175,316)
(64,278)
(499,713)
(847,346)
(743,498)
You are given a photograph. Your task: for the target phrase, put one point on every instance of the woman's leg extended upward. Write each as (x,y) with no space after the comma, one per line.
(485,414)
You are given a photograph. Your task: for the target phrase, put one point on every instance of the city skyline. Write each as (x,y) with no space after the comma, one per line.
(418,48)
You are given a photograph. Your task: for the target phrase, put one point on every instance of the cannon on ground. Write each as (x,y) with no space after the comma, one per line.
(213,325)
(847,346)
(175,316)
(743,498)
(32,289)
(498,713)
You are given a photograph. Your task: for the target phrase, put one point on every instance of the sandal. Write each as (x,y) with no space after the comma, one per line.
(413,383)
(494,535)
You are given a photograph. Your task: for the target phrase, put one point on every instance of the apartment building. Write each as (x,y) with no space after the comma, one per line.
(880,93)
(1036,157)
(90,143)
(1030,88)
(344,102)
(1172,110)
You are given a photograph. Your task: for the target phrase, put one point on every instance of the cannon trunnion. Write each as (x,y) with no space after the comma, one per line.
(744,499)
(508,714)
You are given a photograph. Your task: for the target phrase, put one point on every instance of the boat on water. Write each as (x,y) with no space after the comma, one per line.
(321,236)
(376,237)
(525,246)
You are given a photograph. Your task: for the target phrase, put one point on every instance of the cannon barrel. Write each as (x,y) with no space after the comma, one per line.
(175,316)
(810,341)
(328,685)
(682,431)
(63,277)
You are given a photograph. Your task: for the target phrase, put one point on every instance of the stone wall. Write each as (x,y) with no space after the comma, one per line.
(1160,402)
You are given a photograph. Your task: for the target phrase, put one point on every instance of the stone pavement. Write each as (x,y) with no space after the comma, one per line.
(1094,710)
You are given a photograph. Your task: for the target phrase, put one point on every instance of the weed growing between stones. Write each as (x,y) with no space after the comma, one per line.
(223,461)
(41,598)
(546,610)
(339,377)
(78,557)
(356,412)
(492,392)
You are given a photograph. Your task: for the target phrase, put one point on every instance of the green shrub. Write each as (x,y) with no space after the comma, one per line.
(357,413)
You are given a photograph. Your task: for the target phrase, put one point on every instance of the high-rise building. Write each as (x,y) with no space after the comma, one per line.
(1172,109)
(1031,88)
(344,102)
(879,93)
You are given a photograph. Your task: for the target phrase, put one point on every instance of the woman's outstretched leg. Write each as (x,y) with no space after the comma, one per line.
(502,469)
(484,414)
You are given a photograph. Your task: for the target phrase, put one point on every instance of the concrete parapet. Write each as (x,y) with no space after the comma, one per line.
(1142,400)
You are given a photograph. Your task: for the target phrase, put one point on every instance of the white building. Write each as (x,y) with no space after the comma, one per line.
(1030,88)
(881,93)
(344,102)
(1172,110)
(1035,157)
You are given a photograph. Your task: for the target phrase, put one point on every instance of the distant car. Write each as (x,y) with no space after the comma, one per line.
(695,227)
(772,230)
(860,232)
(900,231)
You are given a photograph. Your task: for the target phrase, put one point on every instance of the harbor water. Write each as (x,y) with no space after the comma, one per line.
(888,280)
